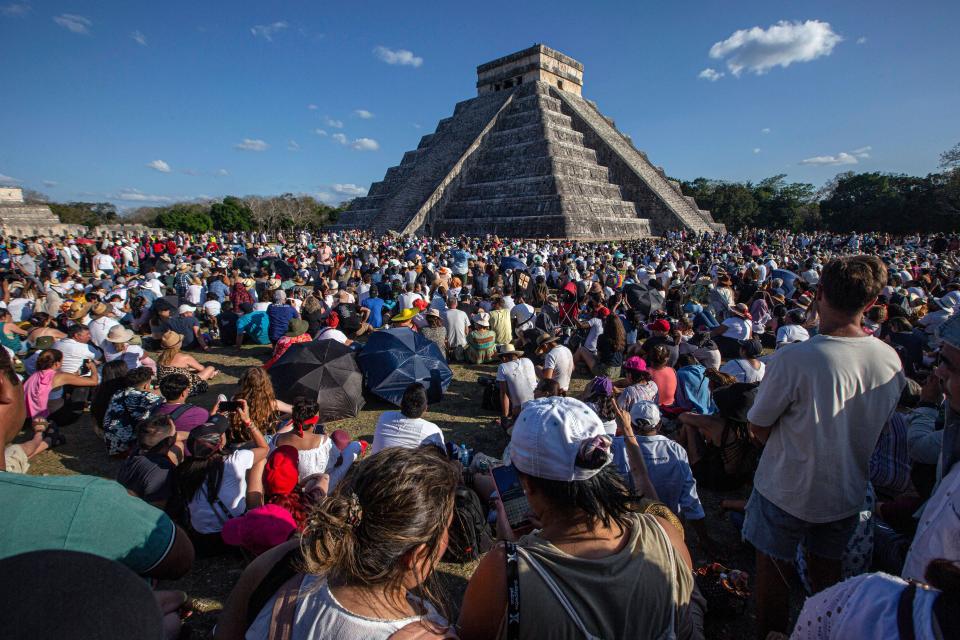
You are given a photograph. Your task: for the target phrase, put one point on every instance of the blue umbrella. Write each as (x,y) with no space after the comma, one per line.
(512,263)
(394,358)
(788,277)
(412,255)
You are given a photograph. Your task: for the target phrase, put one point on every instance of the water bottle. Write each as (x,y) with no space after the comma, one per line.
(464,455)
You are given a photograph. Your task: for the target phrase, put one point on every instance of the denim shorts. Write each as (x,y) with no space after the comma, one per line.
(777,534)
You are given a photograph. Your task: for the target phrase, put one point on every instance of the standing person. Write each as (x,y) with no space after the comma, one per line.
(458,326)
(820,410)
(517,379)
(557,361)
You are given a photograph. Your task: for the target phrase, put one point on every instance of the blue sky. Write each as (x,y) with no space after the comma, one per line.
(146,103)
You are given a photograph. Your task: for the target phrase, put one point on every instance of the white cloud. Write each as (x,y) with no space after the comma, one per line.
(73,22)
(765,130)
(365,144)
(312,107)
(841,158)
(758,50)
(349,189)
(862,152)
(139,38)
(135,195)
(8,180)
(267,31)
(325,197)
(15,9)
(292,145)
(862,40)
(363,114)
(340,137)
(330,122)
(159,165)
(221,173)
(50,183)
(710,74)
(251,144)
(397,56)
(320,132)
(756,150)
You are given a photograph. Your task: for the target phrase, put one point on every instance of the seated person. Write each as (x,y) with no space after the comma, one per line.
(188,327)
(668,468)
(254,325)
(407,428)
(481,342)
(516,378)
(148,472)
(80,513)
(175,389)
(227,323)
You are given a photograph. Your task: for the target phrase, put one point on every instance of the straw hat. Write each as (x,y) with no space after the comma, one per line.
(171,339)
(100,309)
(78,310)
(119,334)
(507,350)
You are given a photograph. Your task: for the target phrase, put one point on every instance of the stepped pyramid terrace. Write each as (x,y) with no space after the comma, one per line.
(529,157)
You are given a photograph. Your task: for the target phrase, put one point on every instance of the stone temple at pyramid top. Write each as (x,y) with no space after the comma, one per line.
(539,63)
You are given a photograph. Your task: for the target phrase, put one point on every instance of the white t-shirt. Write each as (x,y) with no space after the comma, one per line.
(397,430)
(521,379)
(737,328)
(458,326)
(233,494)
(193,294)
(407,299)
(74,353)
(20,309)
(561,361)
(212,307)
(791,333)
(825,401)
(593,334)
(104,262)
(99,329)
(743,371)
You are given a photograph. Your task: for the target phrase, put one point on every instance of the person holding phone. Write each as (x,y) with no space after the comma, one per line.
(590,536)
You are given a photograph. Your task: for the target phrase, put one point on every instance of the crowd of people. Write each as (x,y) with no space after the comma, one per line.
(815,375)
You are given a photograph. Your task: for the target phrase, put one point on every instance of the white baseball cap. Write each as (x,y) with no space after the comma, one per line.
(559,439)
(186,308)
(645,413)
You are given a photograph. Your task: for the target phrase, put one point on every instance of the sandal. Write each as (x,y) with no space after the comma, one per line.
(54,436)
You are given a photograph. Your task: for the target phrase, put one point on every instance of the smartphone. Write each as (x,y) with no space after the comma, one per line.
(511,494)
(228,405)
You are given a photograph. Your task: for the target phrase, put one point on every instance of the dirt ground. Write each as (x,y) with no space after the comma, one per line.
(461,418)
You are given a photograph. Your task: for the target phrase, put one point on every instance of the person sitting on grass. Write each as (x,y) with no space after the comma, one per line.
(407,428)
(175,390)
(296,334)
(365,548)
(668,469)
(47,377)
(640,385)
(516,379)
(481,342)
(127,408)
(148,472)
(172,360)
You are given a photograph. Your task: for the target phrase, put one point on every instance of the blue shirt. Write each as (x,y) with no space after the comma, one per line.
(376,311)
(461,260)
(280,316)
(256,325)
(219,289)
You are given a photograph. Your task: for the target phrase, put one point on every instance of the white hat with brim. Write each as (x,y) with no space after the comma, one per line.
(119,334)
(559,439)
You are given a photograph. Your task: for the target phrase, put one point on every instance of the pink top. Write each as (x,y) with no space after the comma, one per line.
(37,391)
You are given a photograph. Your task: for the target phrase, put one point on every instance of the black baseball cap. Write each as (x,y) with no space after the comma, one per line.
(204,440)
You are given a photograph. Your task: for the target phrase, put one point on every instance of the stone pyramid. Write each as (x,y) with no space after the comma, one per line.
(528,157)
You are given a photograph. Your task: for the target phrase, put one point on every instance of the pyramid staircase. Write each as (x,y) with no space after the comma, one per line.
(530,162)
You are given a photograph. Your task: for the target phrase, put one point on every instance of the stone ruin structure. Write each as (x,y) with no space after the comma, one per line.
(527,157)
(20,219)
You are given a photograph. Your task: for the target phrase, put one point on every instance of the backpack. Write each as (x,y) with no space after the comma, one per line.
(469,532)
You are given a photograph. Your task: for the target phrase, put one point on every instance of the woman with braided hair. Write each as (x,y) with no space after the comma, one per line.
(365,547)
(317,453)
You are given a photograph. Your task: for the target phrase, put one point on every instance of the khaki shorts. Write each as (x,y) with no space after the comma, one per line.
(15,459)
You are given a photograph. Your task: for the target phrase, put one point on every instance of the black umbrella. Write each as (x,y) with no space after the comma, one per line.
(325,370)
(643,300)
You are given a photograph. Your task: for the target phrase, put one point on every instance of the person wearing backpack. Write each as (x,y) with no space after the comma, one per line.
(175,389)
(364,549)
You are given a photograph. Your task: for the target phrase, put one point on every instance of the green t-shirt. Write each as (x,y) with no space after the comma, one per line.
(81,513)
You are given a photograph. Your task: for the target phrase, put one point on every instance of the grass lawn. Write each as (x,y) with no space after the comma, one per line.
(460,417)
